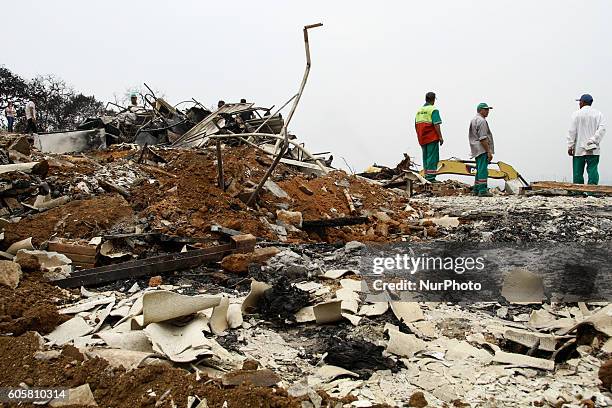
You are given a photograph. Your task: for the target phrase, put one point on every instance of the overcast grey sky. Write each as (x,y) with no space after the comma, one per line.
(372,64)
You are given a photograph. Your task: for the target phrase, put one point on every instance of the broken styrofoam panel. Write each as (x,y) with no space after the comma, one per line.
(328,312)
(352,318)
(459,350)
(23,244)
(218,320)
(129,359)
(423,329)
(86,341)
(407,312)
(68,331)
(134,288)
(81,396)
(445,221)
(108,250)
(159,306)
(328,373)
(310,287)
(338,273)
(544,320)
(95,241)
(353,285)
(121,311)
(347,294)
(87,304)
(100,316)
(350,305)
(523,360)
(601,320)
(135,340)
(234,315)
(404,345)
(305,315)
(47,260)
(546,342)
(137,306)
(375,309)
(607,346)
(252,300)
(523,287)
(179,344)
(275,189)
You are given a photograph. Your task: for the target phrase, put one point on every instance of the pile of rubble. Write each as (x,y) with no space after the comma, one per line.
(178,275)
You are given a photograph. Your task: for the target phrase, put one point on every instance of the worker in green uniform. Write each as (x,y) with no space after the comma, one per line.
(427,125)
(482,147)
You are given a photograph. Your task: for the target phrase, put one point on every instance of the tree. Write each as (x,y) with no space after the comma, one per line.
(58,106)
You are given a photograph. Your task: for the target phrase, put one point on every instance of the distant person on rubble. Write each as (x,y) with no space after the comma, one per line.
(220,104)
(482,147)
(10,112)
(587,128)
(427,125)
(246,115)
(30,113)
(134,103)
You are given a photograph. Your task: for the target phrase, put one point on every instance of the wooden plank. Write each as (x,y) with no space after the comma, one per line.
(84,265)
(334,222)
(145,267)
(66,248)
(584,188)
(81,258)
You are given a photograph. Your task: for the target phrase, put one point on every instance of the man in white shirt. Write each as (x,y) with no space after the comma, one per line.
(30,112)
(587,128)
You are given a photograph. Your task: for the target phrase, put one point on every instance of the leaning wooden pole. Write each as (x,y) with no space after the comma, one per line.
(284,133)
(220,176)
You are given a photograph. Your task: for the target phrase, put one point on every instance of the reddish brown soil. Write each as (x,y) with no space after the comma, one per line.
(120,389)
(197,203)
(32,306)
(77,219)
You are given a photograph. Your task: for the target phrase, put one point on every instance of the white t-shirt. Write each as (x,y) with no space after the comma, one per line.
(30,110)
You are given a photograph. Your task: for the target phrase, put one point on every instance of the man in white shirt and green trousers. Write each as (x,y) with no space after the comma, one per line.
(587,128)
(482,148)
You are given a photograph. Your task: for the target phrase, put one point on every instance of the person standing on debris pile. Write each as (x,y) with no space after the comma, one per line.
(482,147)
(220,104)
(246,115)
(427,125)
(10,113)
(30,113)
(134,103)
(587,128)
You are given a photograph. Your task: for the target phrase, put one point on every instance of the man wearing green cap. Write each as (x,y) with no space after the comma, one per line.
(482,147)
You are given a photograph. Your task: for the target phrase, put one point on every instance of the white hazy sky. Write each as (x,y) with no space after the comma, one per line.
(372,64)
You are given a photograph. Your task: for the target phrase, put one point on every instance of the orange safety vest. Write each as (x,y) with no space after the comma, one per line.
(426,132)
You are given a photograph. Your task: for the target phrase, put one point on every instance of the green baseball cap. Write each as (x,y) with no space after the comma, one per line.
(483,105)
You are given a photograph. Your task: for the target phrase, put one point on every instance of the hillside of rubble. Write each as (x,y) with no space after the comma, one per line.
(151,275)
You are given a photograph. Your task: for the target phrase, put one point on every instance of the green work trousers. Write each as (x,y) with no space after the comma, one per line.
(482,174)
(591,163)
(431,157)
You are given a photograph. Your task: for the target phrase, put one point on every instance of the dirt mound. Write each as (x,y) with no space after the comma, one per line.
(77,219)
(32,306)
(190,203)
(117,388)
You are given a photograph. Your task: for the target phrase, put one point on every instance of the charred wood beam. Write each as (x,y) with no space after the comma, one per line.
(334,222)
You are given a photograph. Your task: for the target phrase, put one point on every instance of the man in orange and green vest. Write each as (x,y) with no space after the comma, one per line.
(427,124)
